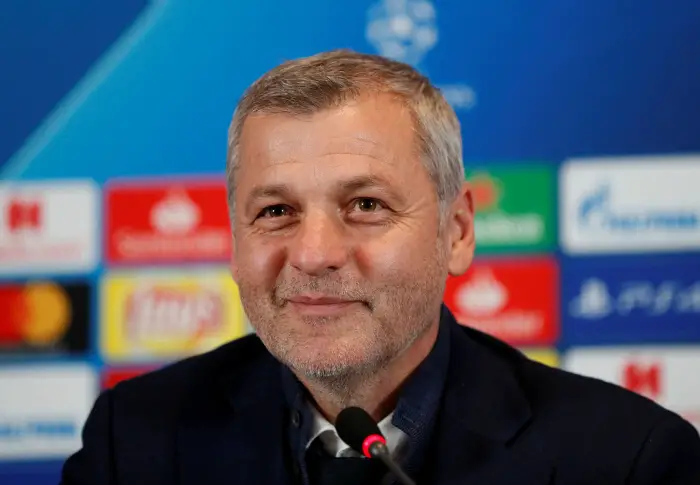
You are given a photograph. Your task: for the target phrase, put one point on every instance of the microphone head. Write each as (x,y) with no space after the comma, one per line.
(357,428)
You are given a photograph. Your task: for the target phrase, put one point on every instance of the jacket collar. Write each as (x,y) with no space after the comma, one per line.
(485,414)
(482,393)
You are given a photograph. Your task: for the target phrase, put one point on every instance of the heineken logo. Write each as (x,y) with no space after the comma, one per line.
(485,192)
(514,207)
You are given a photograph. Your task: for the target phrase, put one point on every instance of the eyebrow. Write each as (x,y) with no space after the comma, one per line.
(268,191)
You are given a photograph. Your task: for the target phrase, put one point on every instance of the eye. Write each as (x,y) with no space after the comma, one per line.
(367,204)
(273,211)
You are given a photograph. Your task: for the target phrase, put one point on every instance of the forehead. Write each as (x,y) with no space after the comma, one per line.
(374,130)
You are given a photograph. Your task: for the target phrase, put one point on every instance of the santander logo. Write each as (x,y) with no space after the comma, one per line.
(483,295)
(512,299)
(167,223)
(176,214)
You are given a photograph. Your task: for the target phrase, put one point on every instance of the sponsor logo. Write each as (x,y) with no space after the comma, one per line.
(514,208)
(24,215)
(595,212)
(514,300)
(644,297)
(42,417)
(181,221)
(406,30)
(166,315)
(48,227)
(662,374)
(631,205)
(644,379)
(631,300)
(112,377)
(41,429)
(44,316)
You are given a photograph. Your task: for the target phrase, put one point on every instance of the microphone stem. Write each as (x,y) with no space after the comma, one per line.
(395,469)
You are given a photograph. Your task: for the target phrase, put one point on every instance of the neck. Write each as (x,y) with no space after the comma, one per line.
(376,393)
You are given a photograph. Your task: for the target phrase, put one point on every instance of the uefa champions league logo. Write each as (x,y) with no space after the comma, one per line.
(404,30)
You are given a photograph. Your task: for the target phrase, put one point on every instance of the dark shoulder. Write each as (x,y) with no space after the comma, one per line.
(167,389)
(583,403)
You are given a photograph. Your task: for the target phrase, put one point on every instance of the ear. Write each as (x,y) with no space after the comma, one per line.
(460,229)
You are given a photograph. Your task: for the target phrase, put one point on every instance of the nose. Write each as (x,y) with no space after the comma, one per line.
(318,246)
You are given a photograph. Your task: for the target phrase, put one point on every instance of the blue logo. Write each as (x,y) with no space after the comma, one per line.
(595,211)
(404,30)
(632,300)
(39,429)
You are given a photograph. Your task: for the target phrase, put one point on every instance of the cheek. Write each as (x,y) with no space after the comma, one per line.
(395,256)
(259,264)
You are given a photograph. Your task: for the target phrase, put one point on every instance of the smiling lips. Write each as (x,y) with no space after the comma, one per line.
(319,305)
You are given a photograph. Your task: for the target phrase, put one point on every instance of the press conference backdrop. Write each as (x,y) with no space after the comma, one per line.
(581,126)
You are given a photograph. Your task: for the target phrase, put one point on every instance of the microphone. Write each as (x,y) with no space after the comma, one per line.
(357,428)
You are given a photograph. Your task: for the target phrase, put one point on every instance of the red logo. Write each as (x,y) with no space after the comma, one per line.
(160,313)
(22,215)
(174,222)
(486,192)
(36,313)
(513,300)
(112,377)
(644,379)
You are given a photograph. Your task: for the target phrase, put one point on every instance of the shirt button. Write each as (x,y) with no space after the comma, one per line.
(296,418)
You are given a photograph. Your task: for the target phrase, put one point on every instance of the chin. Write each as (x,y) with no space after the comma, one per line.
(332,360)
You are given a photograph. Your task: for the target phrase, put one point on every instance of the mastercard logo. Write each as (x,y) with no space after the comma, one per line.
(36,314)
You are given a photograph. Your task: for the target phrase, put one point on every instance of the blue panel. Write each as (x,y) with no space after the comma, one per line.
(631,300)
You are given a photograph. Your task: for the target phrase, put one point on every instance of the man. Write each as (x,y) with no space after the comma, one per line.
(349,211)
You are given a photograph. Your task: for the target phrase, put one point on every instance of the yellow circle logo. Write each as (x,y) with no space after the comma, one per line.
(48,313)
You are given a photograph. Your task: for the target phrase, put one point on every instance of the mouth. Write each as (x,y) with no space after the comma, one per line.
(320,305)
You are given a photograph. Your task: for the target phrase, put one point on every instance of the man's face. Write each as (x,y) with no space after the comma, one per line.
(337,250)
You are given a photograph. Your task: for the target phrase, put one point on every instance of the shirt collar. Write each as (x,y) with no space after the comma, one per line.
(326,432)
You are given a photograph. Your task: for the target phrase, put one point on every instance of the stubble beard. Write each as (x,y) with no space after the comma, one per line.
(399,313)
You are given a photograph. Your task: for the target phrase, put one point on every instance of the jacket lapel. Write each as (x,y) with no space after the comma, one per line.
(236,435)
(483,435)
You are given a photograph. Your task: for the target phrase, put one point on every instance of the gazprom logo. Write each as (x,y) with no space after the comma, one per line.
(41,429)
(595,212)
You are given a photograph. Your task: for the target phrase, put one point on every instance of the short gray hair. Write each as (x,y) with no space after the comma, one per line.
(330,79)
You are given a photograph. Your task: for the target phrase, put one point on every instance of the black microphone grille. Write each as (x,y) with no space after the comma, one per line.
(354,425)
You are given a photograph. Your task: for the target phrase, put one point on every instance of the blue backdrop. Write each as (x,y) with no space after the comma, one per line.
(139,88)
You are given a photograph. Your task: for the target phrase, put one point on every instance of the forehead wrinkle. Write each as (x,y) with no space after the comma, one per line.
(278,153)
(357,147)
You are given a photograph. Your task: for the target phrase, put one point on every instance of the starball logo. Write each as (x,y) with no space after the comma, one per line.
(406,30)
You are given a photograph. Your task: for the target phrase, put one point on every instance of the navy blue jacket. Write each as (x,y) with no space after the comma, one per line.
(220,419)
